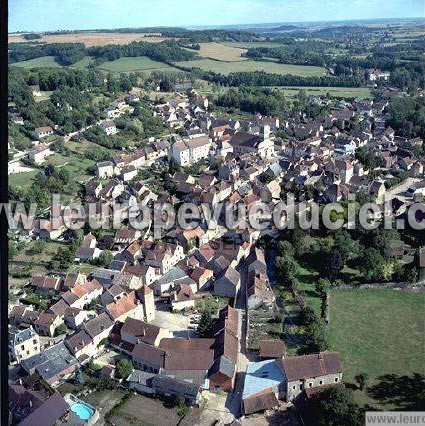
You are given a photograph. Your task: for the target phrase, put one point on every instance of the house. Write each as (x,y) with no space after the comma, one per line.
(39,153)
(187,152)
(258,290)
(141,381)
(99,328)
(135,331)
(310,371)
(115,292)
(144,272)
(108,126)
(80,344)
(44,131)
(47,323)
(270,349)
(126,306)
(53,364)
(22,315)
(74,317)
(35,89)
(23,344)
(243,142)
(265,383)
(87,250)
(105,169)
(182,298)
(48,284)
(227,283)
(170,386)
(256,261)
(28,406)
(163,256)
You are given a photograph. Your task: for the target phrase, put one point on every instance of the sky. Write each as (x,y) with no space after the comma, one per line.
(51,15)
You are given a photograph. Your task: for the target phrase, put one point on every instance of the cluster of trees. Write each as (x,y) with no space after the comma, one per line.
(333,406)
(298,53)
(407,116)
(261,78)
(263,100)
(64,53)
(166,51)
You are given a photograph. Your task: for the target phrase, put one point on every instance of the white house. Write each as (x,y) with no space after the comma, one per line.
(108,126)
(39,153)
(44,131)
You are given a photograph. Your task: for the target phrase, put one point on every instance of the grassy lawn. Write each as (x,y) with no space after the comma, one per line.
(221,52)
(140,63)
(249,44)
(83,63)
(291,92)
(249,65)
(105,400)
(23,179)
(307,280)
(43,61)
(377,331)
(141,410)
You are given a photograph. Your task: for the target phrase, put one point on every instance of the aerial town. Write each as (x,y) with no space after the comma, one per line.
(210,324)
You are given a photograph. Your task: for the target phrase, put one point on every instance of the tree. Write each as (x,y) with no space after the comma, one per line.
(345,244)
(334,406)
(105,258)
(39,246)
(371,264)
(322,287)
(206,325)
(61,329)
(336,264)
(13,251)
(286,269)
(123,369)
(362,379)
(180,403)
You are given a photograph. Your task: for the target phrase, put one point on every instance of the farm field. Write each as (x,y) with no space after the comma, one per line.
(83,63)
(249,44)
(90,38)
(23,179)
(290,92)
(43,61)
(378,332)
(249,65)
(140,63)
(221,52)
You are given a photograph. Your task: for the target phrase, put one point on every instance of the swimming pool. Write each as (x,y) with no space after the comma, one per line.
(83,411)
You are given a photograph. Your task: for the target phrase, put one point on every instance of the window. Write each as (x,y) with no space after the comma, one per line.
(35,341)
(310,385)
(293,387)
(321,382)
(301,387)
(336,379)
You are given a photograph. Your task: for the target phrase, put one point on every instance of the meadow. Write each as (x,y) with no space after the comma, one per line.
(377,332)
(139,63)
(221,52)
(42,62)
(249,65)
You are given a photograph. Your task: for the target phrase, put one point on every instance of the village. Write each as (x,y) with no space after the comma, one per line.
(175,316)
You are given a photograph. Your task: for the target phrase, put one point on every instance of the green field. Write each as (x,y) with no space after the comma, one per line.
(249,44)
(83,63)
(291,92)
(377,331)
(249,65)
(23,179)
(43,61)
(140,63)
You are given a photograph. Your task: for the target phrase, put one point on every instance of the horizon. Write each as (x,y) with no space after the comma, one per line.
(75,15)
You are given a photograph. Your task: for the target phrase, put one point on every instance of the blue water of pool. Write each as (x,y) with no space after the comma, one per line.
(83,411)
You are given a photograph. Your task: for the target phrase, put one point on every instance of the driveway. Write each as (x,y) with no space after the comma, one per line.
(176,323)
